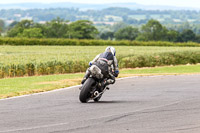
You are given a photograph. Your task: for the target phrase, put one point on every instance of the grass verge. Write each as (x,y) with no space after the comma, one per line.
(10,87)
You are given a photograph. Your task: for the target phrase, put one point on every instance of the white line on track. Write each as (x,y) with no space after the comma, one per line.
(61,89)
(41,93)
(72,87)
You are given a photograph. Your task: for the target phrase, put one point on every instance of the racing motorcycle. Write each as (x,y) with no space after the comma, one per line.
(95,85)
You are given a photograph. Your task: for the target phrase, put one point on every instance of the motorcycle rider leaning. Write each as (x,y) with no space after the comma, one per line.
(106,62)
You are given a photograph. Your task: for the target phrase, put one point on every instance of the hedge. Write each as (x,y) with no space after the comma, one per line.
(75,42)
(56,67)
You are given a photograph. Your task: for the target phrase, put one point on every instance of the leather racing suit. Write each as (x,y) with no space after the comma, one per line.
(106,62)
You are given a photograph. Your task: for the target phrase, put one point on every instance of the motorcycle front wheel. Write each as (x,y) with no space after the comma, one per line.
(85,94)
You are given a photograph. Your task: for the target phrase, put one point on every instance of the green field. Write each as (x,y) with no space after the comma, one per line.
(18,61)
(26,85)
(39,54)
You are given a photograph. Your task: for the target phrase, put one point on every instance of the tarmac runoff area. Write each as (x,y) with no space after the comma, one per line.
(148,104)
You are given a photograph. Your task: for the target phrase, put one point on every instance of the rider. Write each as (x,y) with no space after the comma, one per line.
(106,62)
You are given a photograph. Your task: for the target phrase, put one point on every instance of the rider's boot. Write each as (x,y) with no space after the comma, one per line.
(85,77)
(83,80)
(87,74)
(104,84)
(109,81)
(107,88)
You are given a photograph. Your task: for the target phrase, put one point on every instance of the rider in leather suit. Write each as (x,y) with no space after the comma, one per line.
(106,62)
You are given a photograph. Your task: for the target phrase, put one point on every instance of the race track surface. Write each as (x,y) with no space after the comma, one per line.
(155,104)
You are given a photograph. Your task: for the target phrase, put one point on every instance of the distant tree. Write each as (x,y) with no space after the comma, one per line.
(188,35)
(197,38)
(82,29)
(31,33)
(19,28)
(57,28)
(42,27)
(173,36)
(25,24)
(107,35)
(153,30)
(127,33)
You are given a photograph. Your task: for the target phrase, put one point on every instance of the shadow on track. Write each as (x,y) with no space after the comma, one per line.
(111,102)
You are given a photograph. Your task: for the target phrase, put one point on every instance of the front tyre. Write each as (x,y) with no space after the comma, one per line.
(85,94)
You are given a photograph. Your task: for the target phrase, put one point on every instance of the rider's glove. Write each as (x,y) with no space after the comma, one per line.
(116,73)
(90,64)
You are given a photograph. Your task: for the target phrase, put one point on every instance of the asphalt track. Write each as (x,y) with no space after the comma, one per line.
(155,104)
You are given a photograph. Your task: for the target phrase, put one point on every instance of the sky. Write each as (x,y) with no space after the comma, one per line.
(177,3)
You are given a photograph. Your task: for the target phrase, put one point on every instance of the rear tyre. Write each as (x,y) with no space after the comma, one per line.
(85,94)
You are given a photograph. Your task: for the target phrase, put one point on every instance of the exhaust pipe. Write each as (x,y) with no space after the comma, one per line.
(96,93)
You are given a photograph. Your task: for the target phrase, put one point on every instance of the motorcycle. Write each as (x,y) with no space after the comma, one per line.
(95,85)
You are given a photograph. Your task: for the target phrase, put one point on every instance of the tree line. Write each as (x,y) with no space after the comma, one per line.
(57,28)
(153,30)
